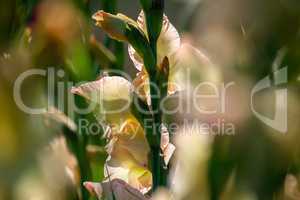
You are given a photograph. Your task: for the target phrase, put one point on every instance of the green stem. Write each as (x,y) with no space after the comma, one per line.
(155,166)
(153,10)
(157,162)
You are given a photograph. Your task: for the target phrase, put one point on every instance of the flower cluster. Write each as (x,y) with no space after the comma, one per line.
(127,146)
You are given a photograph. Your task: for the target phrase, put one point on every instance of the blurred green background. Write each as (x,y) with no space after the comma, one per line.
(243,38)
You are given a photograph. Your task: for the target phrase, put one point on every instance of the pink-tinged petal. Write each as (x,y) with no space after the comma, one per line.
(136,58)
(188,56)
(117,189)
(168,153)
(190,62)
(121,191)
(165,138)
(167,148)
(95,189)
(141,86)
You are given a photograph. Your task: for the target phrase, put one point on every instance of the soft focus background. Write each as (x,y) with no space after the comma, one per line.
(42,157)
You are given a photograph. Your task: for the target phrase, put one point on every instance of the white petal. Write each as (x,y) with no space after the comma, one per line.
(107,88)
(132,174)
(167,148)
(165,138)
(112,171)
(168,42)
(110,97)
(168,152)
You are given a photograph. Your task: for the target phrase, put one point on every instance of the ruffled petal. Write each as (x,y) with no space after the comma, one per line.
(128,151)
(130,139)
(112,93)
(133,139)
(107,88)
(125,168)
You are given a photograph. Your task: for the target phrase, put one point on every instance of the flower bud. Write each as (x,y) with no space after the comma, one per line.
(153,10)
(122,28)
(113,25)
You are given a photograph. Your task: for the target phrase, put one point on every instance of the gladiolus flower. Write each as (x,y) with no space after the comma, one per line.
(181,58)
(127,147)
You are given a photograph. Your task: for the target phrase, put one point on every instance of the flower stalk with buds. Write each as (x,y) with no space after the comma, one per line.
(135,148)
